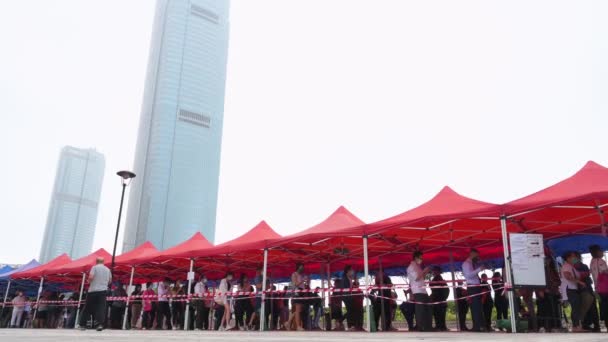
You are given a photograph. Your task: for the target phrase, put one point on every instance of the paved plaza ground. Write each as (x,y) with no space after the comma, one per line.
(59,335)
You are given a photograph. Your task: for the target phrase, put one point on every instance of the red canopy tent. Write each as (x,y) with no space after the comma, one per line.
(317,245)
(126,263)
(242,254)
(575,205)
(73,271)
(172,262)
(42,270)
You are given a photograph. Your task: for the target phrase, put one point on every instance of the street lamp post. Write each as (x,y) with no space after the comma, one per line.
(125,177)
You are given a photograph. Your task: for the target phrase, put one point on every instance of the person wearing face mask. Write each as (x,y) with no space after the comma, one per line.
(221,298)
(573,286)
(202,311)
(298,283)
(416,276)
(471,269)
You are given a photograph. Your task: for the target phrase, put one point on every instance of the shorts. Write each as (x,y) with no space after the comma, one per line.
(258,303)
(41,314)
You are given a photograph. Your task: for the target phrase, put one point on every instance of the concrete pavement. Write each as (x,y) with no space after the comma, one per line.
(44,335)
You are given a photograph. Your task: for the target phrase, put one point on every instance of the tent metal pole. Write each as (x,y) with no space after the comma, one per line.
(382,300)
(124,319)
(508,277)
(329,295)
(454,291)
(263,307)
(366,271)
(189,290)
(38,298)
(77,321)
(8,287)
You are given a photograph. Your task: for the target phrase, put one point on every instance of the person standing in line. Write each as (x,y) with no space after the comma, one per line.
(599,273)
(202,311)
(460,294)
(136,306)
(347,296)
(382,300)
(500,301)
(164,310)
(100,279)
(416,276)
(439,295)
(471,269)
(298,283)
(221,298)
(149,313)
(486,301)
(259,287)
(571,278)
(118,307)
(18,309)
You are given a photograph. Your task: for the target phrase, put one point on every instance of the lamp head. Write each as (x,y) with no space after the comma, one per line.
(126,176)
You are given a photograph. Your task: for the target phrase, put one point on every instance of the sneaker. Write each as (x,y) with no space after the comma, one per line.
(99,328)
(222,329)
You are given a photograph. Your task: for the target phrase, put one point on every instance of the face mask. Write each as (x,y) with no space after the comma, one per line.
(475,259)
(575,260)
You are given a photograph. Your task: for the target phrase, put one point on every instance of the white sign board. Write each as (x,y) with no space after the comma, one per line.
(527,259)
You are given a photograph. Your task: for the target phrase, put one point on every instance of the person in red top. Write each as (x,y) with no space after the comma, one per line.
(148,307)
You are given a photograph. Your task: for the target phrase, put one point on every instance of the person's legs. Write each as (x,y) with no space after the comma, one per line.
(604,309)
(487,313)
(100,308)
(227,315)
(439,312)
(476,308)
(16,317)
(205,320)
(587,300)
(575,308)
(463,310)
(422,321)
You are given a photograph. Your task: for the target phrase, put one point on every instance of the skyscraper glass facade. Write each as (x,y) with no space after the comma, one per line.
(72,217)
(177,157)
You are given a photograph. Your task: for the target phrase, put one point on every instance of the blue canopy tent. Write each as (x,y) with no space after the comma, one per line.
(576,243)
(5,279)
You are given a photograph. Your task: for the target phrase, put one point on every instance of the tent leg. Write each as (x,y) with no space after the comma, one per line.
(263,308)
(366,271)
(382,300)
(38,298)
(456,301)
(329,295)
(8,287)
(187,314)
(77,321)
(124,319)
(508,277)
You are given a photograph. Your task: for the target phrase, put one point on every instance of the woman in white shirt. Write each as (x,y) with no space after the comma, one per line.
(598,267)
(221,298)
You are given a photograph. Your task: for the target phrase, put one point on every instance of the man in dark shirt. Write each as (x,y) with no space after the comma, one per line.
(439,293)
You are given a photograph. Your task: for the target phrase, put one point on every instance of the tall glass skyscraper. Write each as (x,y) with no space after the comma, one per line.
(177,157)
(70,225)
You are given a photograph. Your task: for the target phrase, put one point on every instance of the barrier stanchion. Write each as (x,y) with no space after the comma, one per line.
(77,321)
(124,319)
(38,298)
(190,277)
(365,290)
(262,309)
(508,277)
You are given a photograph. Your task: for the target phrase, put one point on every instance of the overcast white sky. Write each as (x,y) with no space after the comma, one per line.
(371,104)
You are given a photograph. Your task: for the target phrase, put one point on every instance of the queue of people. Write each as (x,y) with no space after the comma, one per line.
(164,305)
